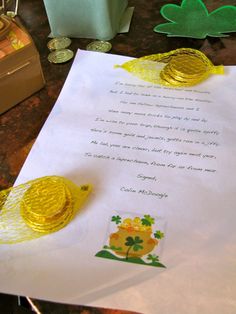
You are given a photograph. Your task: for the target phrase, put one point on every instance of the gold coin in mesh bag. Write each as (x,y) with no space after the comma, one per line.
(39,207)
(52,222)
(188,65)
(45,198)
(184,66)
(169,78)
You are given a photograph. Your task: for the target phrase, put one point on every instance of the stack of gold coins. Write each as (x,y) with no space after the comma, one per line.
(186,67)
(177,68)
(47,205)
(39,207)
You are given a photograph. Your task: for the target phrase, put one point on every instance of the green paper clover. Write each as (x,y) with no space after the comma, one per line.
(192,19)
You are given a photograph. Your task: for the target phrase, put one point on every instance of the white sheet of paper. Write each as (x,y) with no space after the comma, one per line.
(147,149)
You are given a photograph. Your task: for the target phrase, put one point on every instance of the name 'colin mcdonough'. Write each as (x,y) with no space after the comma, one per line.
(151,193)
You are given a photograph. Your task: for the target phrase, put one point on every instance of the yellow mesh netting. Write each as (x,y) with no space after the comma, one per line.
(177,68)
(39,207)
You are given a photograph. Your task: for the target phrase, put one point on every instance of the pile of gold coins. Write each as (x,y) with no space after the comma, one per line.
(135,225)
(39,207)
(178,68)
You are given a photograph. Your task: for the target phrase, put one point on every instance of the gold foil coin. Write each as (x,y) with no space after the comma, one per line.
(185,67)
(178,76)
(45,198)
(60,56)
(170,79)
(47,205)
(55,223)
(167,79)
(59,43)
(188,66)
(99,45)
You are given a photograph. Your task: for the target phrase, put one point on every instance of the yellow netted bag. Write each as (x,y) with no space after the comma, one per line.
(177,68)
(39,207)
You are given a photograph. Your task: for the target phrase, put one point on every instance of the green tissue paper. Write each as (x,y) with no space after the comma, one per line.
(98,19)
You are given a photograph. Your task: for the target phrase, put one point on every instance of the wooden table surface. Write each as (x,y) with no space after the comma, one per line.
(20,125)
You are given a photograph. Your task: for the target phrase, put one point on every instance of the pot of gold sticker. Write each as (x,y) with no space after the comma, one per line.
(39,207)
(178,68)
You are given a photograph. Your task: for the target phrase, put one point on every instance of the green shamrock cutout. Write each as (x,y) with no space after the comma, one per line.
(192,19)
